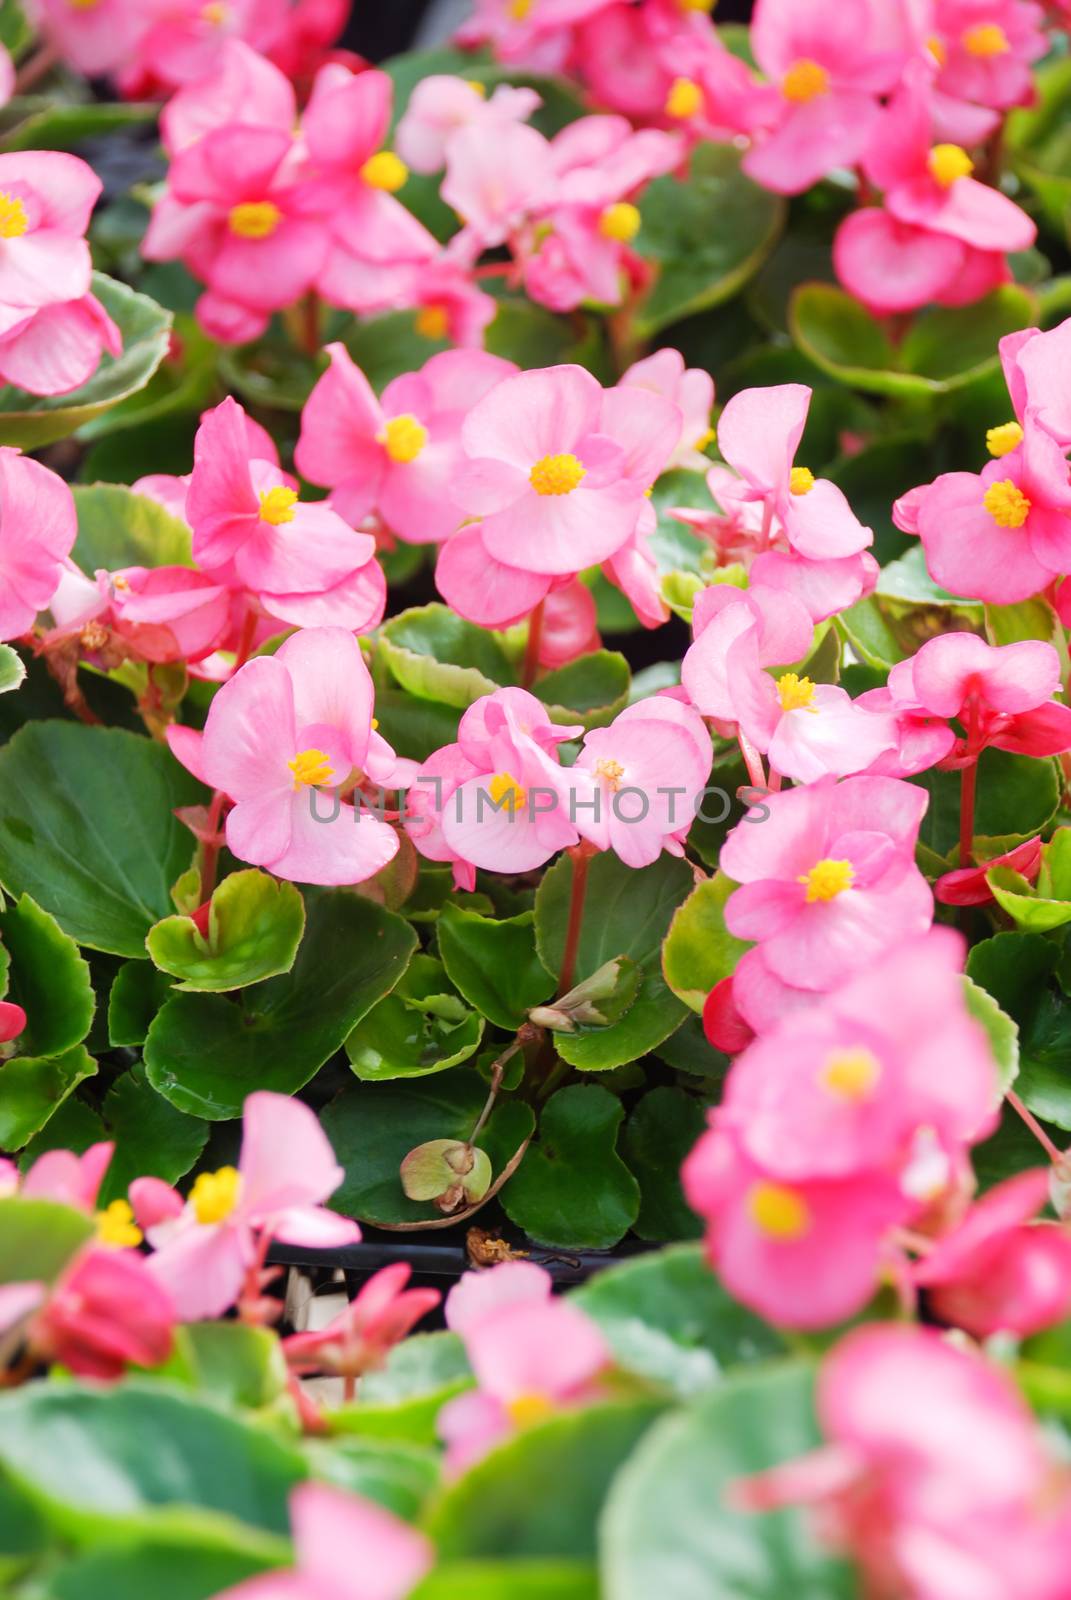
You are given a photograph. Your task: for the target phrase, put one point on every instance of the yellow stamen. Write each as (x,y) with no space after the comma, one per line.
(987,39)
(215,13)
(827,879)
(519,9)
(477,87)
(403,438)
(612,771)
(805,80)
(948,163)
(116,1226)
(255,219)
(82,5)
(936,46)
(311,767)
(684,100)
(696,5)
(277,505)
(432,322)
(795,693)
(778,1211)
(386,171)
(559,474)
(215,1194)
(851,1074)
(620,222)
(801,480)
(13,218)
(1006,504)
(527,1409)
(706,437)
(1004,438)
(504,789)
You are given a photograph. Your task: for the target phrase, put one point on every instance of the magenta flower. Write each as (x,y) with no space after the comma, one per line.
(106,1312)
(441,105)
(397,457)
(285,1173)
(347,1548)
(37,531)
(1000,694)
(71,1179)
(358,1340)
(691,390)
(985,49)
(967,886)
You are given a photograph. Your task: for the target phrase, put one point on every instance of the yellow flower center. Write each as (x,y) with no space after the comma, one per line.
(1006,504)
(277,505)
(432,322)
(795,693)
(987,39)
(215,1194)
(801,480)
(403,438)
(936,47)
(684,100)
(620,222)
(82,5)
(805,80)
(1003,439)
(519,9)
(13,218)
(527,1409)
(612,771)
(505,790)
(948,163)
(557,474)
(778,1211)
(385,170)
(827,879)
(116,1226)
(255,219)
(477,87)
(215,13)
(851,1074)
(696,5)
(311,767)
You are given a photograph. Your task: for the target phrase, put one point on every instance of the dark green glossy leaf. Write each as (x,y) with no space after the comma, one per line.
(660,1132)
(421,1027)
(255,924)
(32,1089)
(437,655)
(48,978)
(152,1139)
(494,963)
(118,528)
(573,1189)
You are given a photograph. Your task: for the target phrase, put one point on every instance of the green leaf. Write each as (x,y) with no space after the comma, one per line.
(494,963)
(206,1053)
(373,1127)
(12,669)
(699,950)
(668,1319)
(660,1132)
(708,233)
(32,1089)
(118,528)
(510,1580)
(121,1459)
(1002,1030)
(191,1565)
(394,1473)
(1025,907)
(49,980)
(943,349)
(437,655)
(402,1399)
(65,127)
(38,1238)
(540,1492)
(573,1189)
(152,1139)
(255,923)
(627,912)
(232,1364)
(590,690)
(1014,968)
(668,1528)
(31,421)
(870,635)
(420,1028)
(87,827)
(137,993)
(1044,1081)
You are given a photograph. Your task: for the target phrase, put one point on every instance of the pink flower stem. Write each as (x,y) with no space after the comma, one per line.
(210,849)
(493,269)
(245,643)
(531,649)
(1034,1125)
(38,66)
(578,855)
(310,323)
(968,780)
(752,761)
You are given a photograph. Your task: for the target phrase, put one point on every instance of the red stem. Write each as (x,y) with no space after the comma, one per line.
(752,761)
(310,323)
(968,779)
(245,642)
(1034,1125)
(531,649)
(210,849)
(579,857)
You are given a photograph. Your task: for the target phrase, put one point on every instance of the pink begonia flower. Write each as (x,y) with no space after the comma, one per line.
(73,1180)
(98,38)
(495,182)
(570,625)
(922,741)
(242,88)
(153,1201)
(759,432)
(639,782)
(441,106)
(57,348)
(304,562)
(448,304)
(347,1547)
(830,63)
(540,34)
(829,879)
(166,613)
(106,1312)
(497,799)
(12,1021)
(286,1172)
(998,1271)
(184,42)
(967,886)
(397,456)
(1001,694)
(985,49)
(557,467)
(283,728)
(531,1355)
(358,1340)
(38,527)
(691,390)
(934,1477)
(1035,367)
